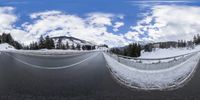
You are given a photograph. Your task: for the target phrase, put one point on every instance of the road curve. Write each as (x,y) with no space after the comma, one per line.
(90,80)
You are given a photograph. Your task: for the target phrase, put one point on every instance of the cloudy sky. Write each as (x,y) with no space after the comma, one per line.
(112,22)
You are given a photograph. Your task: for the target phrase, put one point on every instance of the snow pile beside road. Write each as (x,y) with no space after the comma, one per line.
(46,52)
(6,46)
(168,78)
(162,53)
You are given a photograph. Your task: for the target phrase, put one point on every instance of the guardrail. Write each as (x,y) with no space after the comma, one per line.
(168,79)
(135,58)
(152,63)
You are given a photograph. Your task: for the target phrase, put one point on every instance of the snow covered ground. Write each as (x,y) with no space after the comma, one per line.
(5,47)
(46,52)
(168,78)
(162,53)
(8,48)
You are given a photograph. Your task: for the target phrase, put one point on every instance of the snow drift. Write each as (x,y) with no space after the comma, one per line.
(6,46)
(168,78)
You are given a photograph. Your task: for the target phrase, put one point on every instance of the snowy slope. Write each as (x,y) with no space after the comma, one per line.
(6,46)
(162,53)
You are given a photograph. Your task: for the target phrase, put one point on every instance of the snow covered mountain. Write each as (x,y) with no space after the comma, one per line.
(72,40)
(75,41)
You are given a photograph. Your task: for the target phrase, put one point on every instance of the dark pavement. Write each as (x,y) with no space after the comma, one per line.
(90,80)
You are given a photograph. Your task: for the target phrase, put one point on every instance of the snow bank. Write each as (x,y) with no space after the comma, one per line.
(168,78)
(152,64)
(162,53)
(5,47)
(53,52)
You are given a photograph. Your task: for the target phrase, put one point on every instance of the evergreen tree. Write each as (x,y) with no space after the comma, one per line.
(0,39)
(48,43)
(63,47)
(41,42)
(195,39)
(73,47)
(59,44)
(148,48)
(67,45)
(132,50)
(78,47)
(7,38)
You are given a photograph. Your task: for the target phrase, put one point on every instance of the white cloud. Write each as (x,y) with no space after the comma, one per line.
(117,26)
(7,18)
(169,23)
(162,1)
(132,35)
(100,19)
(56,23)
(92,28)
(7,21)
(163,23)
(45,14)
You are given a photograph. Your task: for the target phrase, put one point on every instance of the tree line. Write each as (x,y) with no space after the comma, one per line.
(43,43)
(49,43)
(132,50)
(164,45)
(7,38)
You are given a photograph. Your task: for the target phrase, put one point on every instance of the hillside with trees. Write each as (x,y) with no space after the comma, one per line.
(50,43)
(7,38)
(132,50)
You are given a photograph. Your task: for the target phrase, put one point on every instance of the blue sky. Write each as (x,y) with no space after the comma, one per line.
(113,22)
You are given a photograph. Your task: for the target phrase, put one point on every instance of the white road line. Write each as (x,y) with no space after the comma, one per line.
(64,55)
(51,68)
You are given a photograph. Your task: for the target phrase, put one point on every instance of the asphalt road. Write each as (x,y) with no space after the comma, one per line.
(89,80)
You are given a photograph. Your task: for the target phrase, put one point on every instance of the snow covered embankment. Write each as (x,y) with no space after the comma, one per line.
(6,47)
(169,78)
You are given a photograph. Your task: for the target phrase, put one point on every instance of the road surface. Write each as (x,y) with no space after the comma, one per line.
(88,80)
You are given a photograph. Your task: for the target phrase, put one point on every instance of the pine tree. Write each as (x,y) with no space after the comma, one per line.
(67,45)
(63,47)
(195,39)
(73,47)
(52,44)
(78,47)
(48,43)
(41,42)
(59,44)
(0,39)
